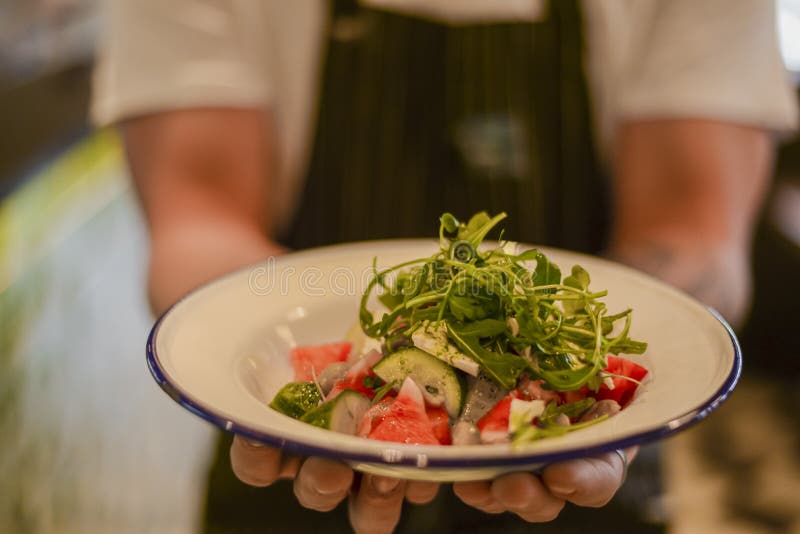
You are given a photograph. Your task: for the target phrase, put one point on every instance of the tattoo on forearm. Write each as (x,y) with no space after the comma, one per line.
(652,258)
(707,279)
(710,288)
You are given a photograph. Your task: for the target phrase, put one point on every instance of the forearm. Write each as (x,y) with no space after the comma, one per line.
(185,256)
(202,179)
(686,196)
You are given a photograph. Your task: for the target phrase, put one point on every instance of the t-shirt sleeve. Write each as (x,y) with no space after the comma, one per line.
(156,55)
(715,59)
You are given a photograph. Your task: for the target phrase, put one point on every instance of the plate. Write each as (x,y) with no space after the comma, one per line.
(222,352)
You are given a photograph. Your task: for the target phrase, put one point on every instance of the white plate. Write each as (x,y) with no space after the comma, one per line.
(223,351)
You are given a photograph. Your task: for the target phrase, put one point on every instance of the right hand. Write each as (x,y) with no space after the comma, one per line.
(320,484)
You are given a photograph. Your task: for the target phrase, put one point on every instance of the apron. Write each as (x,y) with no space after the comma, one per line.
(416,118)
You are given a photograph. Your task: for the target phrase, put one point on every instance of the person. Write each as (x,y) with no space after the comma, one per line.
(427,106)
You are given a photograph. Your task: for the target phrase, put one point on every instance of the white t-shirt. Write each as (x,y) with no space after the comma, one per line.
(714,59)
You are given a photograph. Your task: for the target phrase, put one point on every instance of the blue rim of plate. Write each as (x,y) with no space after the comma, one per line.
(676,424)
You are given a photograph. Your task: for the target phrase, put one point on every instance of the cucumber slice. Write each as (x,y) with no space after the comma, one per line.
(435,378)
(342,413)
(295,399)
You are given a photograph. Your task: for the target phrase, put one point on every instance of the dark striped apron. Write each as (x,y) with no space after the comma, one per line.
(416,118)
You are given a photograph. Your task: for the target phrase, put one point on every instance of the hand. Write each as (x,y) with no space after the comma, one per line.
(321,484)
(588,482)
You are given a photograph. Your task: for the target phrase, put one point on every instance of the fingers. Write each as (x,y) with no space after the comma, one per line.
(259,465)
(588,481)
(418,492)
(478,494)
(290,465)
(375,506)
(255,464)
(520,493)
(525,495)
(322,484)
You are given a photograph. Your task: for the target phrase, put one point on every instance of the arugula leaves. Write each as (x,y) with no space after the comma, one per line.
(562,331)
(483,328)
(503,367)
(546,272)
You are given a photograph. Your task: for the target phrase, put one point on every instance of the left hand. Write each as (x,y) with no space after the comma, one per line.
(588,482)
(320,484)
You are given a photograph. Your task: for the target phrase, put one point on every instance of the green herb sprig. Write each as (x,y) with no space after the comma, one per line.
(500,310)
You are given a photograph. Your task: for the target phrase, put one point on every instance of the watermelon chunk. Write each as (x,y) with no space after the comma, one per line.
(440,424)
(374,416)
(377,414)
(406,421)
(533,390)
(355,383)
(354,378)
(317,357)
(623,389)
(494,425)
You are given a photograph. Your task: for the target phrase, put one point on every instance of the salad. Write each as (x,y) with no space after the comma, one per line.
(475,344)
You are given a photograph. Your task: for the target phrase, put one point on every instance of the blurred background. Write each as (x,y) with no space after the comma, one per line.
(88,443)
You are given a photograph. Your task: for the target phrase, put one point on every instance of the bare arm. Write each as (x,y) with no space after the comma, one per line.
(203,179)
(686,197)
